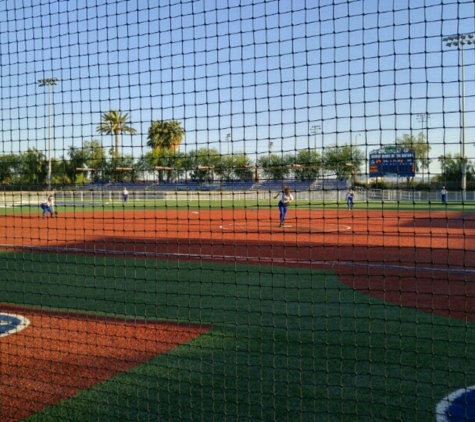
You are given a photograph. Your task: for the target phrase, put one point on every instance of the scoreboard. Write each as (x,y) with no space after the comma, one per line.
(392,162)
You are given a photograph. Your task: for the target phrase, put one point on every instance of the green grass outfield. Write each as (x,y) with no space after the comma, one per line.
(287,344)
(204,204)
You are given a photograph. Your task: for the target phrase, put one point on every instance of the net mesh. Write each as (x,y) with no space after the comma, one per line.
(222,210)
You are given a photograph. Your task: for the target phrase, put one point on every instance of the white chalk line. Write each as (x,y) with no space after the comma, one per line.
(246,226)
(332,263)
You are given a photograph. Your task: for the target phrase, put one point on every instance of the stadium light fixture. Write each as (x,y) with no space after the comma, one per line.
(49,82)
(458,41)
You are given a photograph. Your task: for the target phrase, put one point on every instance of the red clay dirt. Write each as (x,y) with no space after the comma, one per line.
(418,260)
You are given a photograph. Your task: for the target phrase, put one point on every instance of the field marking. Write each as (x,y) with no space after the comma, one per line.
(12,323)
(247,259)
(456,404)
(267,225)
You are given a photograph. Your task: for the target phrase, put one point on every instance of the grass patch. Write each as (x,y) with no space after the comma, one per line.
(226,204)
(287,344)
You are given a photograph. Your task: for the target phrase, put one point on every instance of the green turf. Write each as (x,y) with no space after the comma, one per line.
(286,344)
(204,204)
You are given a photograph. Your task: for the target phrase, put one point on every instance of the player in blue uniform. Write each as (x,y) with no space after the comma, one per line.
(48,206)
(125,195)
(350,197)
(285,200)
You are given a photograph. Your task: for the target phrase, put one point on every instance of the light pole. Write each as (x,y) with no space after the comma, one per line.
(49,82)
(271,144)
(228,138)
(353,161)
(315,130)
(458,41)
(423,119)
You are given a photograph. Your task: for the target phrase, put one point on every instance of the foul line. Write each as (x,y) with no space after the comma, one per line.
(237,258)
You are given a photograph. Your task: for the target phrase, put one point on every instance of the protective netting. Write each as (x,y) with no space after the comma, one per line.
(237,210)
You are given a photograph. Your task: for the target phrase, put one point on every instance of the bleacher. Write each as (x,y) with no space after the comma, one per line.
(294,185)
(113,186)
(131,186)
(331,184)
(224,185)
(174,186)
(94,186)
(237,185)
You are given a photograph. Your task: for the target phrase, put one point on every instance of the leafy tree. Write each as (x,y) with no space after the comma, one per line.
(96,153)
(420,147)
(166,158)
(90,158)
(357,159)
(340,161)
(186,165)
(9,168)
(203,161)
(61,172)
(235,167)
(226,167)
(309,164)
(114,166)
(78,158)
(451,170)
(33,167)
(177,160)
(97,159)
(165,134)
(276,166)
(243,168)
(115,123)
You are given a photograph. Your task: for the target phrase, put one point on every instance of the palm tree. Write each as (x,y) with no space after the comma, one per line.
(176,133)
(115,123)
(165,134)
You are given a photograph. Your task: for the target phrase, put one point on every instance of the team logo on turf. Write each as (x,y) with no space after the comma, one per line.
(458,406)
(11,323)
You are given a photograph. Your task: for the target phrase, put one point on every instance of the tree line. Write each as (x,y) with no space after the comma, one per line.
(91,162)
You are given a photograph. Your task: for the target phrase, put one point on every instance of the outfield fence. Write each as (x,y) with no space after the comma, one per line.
(12,199)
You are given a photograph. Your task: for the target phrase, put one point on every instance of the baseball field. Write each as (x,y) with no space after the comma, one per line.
(210,311)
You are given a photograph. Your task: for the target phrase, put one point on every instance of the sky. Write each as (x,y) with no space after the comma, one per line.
(263,71)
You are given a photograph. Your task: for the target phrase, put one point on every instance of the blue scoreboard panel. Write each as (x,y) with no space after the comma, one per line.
(394,162)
